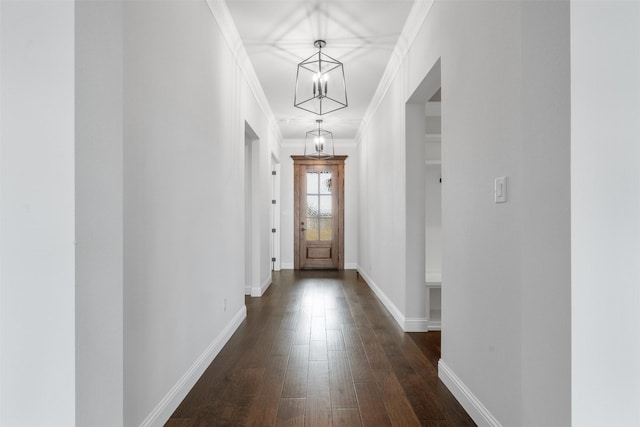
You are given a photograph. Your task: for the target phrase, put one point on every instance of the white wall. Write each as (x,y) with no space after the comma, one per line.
(416,295)
(545,214)
(433,224)
(98,181)
(185,107)
(381,229)
(121,161)
(37,287)
(295,148)
(492,296)
(433,195)
(605,192)
(248,208)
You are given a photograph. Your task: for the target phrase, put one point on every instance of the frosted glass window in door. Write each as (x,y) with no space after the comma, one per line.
(312,229)
(312,183)
(325,206)
(325,182)
(313,207)
(319,206)
(326,228)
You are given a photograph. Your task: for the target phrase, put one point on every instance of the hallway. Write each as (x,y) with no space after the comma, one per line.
(319,349)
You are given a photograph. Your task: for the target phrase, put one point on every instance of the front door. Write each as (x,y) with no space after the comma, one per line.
(319,213)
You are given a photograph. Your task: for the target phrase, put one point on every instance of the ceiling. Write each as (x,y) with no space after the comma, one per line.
(278,34)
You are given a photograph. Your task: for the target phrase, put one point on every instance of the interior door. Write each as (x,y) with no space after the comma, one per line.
(319,213)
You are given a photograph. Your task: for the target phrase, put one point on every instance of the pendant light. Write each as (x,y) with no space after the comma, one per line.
(320,85)
(318,144)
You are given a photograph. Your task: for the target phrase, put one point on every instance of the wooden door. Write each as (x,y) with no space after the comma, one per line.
(318,213)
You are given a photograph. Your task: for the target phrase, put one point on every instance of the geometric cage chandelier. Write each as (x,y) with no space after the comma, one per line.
(318,144)
(320,84)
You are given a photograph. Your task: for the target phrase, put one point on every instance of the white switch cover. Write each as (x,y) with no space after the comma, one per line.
(501,189)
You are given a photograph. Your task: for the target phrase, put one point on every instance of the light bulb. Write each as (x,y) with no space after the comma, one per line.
(318,83)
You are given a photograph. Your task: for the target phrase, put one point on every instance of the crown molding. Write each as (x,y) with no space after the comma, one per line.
(223,17)
(418,14)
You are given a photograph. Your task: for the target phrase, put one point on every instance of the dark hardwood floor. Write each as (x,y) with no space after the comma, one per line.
(319,349)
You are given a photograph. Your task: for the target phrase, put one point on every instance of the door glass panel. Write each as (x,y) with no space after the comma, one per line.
(312,205)
(325,182)
(326,228)
(312,229)
(319,206)
(325,206)
(312,182)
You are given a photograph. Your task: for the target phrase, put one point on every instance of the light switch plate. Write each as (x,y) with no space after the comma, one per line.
(501,189)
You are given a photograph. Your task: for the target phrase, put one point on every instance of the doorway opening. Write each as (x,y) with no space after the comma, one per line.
(251,217)
(424,203)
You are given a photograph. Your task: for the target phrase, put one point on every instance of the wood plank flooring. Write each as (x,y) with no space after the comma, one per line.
(319,349)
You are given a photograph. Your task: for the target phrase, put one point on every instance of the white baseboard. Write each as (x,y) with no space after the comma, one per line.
(408,324)
(476,410)
(247,290)
(434,325)
(416,325)
(397,314)
(168,404)
(347,266)
(259,291)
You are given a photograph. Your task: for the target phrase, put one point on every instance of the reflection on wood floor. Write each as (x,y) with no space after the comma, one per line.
(319,349)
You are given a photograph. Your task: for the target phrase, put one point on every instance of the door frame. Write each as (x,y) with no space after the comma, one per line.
(300,162)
